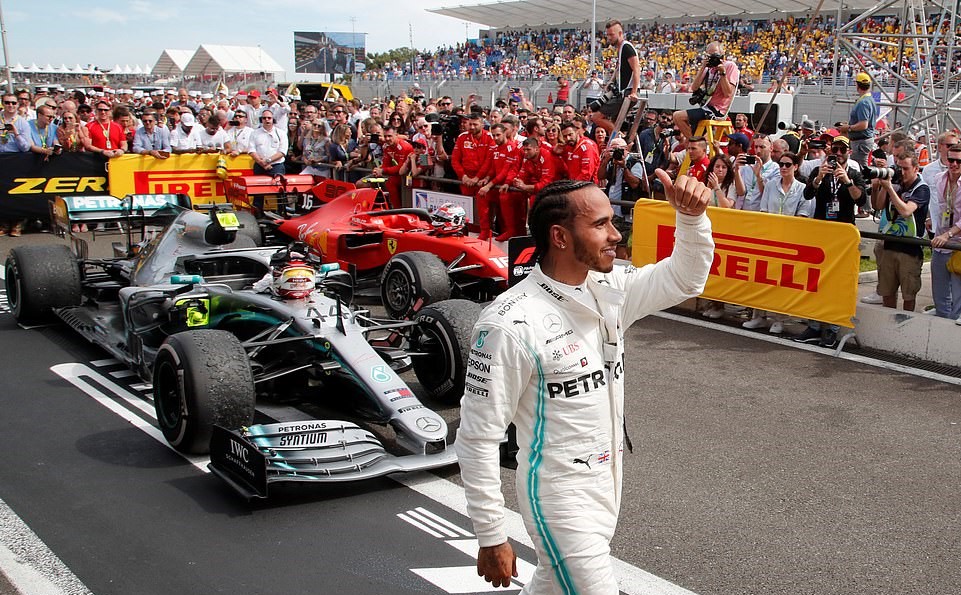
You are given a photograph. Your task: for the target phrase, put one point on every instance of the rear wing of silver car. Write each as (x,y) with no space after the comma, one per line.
(66,211)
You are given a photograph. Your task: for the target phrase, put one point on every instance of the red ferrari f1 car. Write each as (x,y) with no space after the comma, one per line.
(416,257)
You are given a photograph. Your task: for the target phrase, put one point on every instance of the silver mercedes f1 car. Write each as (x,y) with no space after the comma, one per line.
(215,323)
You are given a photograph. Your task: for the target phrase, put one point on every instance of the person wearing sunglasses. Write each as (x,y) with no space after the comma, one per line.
(783,195)
(104,135)
(837,190)
(945,224)
(151,139)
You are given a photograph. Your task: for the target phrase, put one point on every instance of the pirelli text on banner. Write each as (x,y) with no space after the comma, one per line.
(790,265)
(194,175)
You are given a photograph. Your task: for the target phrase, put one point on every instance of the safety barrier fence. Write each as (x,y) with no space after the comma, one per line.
(789,265)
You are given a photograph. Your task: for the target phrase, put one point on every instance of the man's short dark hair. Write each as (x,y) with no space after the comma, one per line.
(531,142)
(474,116)
(552,206)
(613,22)
(913,157)
(498,126)
(567,125)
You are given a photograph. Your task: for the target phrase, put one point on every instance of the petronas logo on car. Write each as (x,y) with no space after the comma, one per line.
(380,374)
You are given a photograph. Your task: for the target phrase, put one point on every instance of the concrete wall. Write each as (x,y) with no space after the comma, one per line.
(826,108)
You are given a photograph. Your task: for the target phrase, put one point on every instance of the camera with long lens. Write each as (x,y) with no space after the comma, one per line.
(669,132)
(698,97)
(610,93)
(878,173)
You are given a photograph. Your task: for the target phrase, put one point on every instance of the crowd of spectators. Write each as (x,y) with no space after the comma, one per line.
(763,49)
(500,155)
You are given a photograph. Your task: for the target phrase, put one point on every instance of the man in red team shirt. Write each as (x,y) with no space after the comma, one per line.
(468,160)
(537,169)
(502,168)
(104,135)
(697,151)
(581,156)
(396,151)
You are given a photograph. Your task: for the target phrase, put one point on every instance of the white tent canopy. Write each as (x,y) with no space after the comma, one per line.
(521,13)
(171,62)
(227,59)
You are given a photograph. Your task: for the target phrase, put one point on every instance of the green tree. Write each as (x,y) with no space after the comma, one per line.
(398,55)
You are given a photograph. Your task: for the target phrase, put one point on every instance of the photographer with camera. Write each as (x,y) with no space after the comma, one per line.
(655,144)
(714,87)
(624,83)
(903,206)
(837,188)
(752,172)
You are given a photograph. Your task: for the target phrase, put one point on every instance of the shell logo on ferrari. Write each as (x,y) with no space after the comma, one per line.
(391,245)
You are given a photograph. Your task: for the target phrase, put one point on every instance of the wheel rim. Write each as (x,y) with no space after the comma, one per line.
(13,288)
(437,372)
(398,291)
(168,397)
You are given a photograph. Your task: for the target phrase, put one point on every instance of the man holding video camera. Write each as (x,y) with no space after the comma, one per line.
(623,85)
(716,82)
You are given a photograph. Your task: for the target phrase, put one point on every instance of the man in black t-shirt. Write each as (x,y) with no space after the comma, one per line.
(623,85)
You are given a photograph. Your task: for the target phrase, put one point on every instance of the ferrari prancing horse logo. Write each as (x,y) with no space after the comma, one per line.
(391,245)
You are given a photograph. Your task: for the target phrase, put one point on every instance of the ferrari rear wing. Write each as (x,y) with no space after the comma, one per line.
(66,211)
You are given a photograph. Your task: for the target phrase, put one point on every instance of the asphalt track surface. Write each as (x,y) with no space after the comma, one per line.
(758,468)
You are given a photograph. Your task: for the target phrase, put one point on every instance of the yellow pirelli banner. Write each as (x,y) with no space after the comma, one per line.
(192,174)
(790,265)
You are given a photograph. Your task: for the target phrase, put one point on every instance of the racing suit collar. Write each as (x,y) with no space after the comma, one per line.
(597,283)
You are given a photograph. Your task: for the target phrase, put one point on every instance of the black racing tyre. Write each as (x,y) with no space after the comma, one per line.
(444,331)
(410,276)
(201,378)
(249,227)
(40,278)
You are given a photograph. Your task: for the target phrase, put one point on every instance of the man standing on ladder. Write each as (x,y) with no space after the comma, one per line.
(716,82)
(623,84)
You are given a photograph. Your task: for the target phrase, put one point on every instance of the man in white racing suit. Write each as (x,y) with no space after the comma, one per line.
(547,355)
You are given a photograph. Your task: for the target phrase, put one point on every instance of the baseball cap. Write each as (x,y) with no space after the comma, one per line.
(841,140)
(241,94)
(862,77)
(649,73)
(739,138)
(830,134)
(618,143)
(254,93)
(187,120)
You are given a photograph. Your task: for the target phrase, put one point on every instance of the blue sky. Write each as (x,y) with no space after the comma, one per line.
(108,32)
